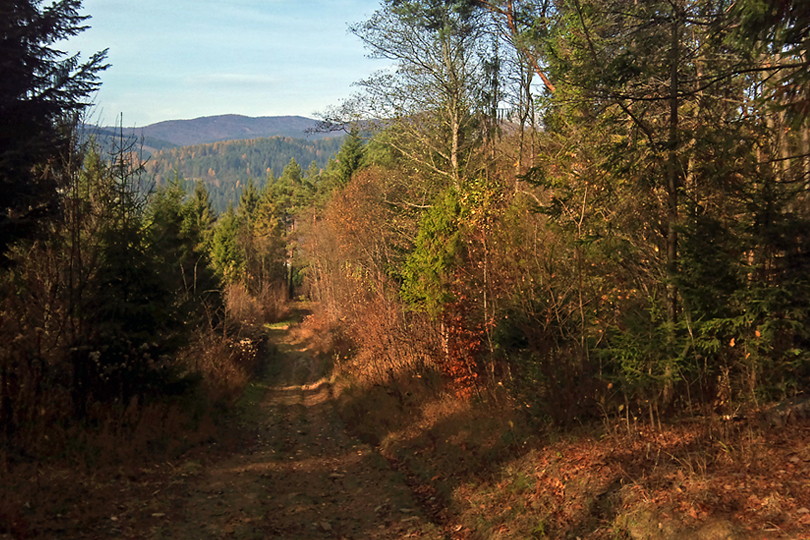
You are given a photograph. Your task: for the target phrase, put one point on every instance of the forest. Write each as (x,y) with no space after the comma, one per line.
(547,215)
(226,167)
(602,206)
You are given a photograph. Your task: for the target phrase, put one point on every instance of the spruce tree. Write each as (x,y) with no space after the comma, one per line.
(42,91)
(349,158)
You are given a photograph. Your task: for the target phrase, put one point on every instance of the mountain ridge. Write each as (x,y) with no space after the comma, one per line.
(225,127)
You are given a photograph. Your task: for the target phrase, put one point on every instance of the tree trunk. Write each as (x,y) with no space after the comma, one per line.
(674,174)
(673,177)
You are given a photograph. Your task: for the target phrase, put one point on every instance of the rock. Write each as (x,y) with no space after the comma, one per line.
(645,525)
(803,511)
(325,526)
(335,476)
(719,529)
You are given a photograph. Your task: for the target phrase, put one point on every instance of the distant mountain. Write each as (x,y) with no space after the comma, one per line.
(209,129)
(222,151)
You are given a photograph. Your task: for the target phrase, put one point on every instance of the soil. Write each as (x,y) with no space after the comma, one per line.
(298,475)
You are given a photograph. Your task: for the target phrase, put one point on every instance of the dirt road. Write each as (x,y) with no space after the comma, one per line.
(304,477)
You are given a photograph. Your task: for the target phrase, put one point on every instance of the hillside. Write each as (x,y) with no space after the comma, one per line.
(109,139)
(210,129)
(226,166)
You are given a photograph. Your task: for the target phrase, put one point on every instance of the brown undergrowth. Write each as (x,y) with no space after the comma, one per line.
(61,476)
(485,469)
(685,481)
(479,466)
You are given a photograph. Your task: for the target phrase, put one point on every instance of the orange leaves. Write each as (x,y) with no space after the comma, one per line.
(550,485)
(463,340)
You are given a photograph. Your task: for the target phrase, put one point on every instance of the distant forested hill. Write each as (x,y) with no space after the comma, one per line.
(207,129)
(109,139)
(227,166)
(228,127)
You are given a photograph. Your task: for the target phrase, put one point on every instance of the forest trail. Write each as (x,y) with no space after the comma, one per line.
(304,476)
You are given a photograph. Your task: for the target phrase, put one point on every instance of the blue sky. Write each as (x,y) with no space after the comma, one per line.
(175,59)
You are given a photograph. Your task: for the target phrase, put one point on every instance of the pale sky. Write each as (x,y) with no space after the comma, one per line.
(180,59)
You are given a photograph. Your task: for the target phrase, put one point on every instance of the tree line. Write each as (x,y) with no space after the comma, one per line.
(226,167)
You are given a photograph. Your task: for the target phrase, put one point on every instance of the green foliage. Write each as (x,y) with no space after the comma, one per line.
(226,167)
(226,255)
(98,306)
(380,151)
(644,354)
(711,267)
(344,164)
(291,193)
(428,271)
(292,173)
(180,233)
(117,312)
(248,244)
(248,201)
(135,305)
(439,248)
(270,241)
(199,218)
(779,28)
(641,238)
(349,158)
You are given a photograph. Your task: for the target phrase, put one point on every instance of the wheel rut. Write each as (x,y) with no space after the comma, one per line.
(304,476)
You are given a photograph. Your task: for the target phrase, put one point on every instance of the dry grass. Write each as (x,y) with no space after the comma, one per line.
(70,471)
(269,305)
(225,363)
(485,472)
(485,469)
(679,482)
(86,465)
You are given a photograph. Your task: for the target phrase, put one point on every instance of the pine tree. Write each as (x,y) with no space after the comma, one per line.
(199,217)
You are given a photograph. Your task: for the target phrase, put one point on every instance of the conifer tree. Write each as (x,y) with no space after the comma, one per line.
(41,94)
(226,255)
(199,217)
(349,158)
